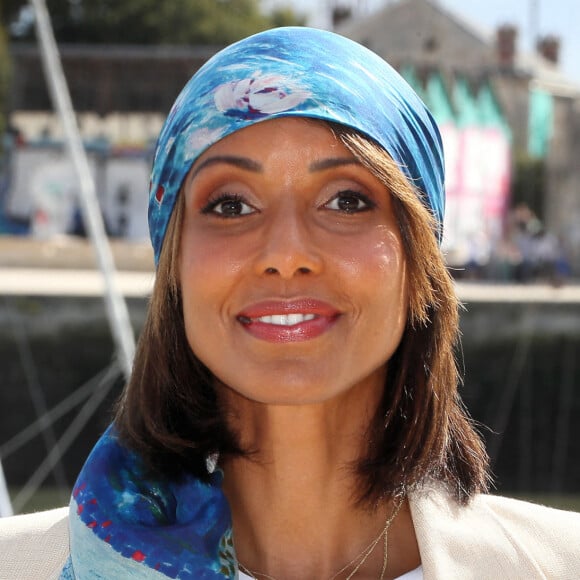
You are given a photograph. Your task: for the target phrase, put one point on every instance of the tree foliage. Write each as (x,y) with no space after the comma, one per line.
(152,21)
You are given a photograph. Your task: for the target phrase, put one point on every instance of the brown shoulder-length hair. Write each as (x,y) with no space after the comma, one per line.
(170,413)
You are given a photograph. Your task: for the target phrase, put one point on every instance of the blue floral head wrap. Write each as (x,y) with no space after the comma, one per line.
(295,72)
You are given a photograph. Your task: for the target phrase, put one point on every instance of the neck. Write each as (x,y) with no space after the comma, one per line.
(294,500)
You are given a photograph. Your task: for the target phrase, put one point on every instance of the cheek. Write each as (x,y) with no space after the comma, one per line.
(379,257)
(206,263)
(379,269)
(200,280)
(209,269)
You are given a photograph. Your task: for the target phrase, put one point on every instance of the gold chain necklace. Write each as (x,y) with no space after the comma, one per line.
(358,560)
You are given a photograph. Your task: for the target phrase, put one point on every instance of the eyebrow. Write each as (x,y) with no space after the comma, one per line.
(332,162)
(251,165)
(241,162)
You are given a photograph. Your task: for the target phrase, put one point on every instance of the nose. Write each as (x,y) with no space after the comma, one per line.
(288,247)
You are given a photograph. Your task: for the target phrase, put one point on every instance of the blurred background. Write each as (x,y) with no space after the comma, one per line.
(501,79)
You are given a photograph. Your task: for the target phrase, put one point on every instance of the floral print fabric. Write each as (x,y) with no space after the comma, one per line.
(125,523)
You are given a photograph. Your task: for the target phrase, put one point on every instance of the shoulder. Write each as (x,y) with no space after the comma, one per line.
(496,537)
(537,521)
(34,546)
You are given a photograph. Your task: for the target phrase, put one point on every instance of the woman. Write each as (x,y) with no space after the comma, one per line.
(293,410)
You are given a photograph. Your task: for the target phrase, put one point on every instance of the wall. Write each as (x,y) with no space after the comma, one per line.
(514,94)
(562,201)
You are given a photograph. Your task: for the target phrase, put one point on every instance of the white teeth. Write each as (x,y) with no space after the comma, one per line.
(286,319)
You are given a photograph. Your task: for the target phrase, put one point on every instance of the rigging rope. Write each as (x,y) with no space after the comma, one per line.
(68,437)
(34,388)
(67,404)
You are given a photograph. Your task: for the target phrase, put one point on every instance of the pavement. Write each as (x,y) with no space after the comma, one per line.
(72,253)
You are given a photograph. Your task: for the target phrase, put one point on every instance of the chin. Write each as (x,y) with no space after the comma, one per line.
(283,389)
(291,388)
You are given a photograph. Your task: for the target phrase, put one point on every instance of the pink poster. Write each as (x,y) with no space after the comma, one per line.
(478,168)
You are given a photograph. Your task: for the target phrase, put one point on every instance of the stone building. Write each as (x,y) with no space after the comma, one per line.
(541,106)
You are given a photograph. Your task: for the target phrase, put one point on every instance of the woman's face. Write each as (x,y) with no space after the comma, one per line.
(291,265)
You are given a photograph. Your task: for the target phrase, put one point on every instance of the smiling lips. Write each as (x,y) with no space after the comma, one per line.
(288,321)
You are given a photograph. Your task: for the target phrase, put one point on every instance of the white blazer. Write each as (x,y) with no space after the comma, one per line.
(492,538)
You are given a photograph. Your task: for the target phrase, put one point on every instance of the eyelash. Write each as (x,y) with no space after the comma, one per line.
(212,204)
(369,203)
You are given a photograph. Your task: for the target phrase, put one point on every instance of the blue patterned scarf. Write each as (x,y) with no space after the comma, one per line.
(126,524)
(123,523)
(295,72)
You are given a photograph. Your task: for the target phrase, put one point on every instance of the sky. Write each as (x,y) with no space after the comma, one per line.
(532,17)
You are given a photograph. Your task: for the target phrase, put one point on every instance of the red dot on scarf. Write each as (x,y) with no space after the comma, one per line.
(159,194)
(106,524)
(79,489)
(138,556)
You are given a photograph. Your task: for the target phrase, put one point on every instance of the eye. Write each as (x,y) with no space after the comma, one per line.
(228,205)
(349,201)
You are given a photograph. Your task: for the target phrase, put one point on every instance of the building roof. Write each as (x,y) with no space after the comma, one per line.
(397,30)
(547,76)
(403,27)
(107,78)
